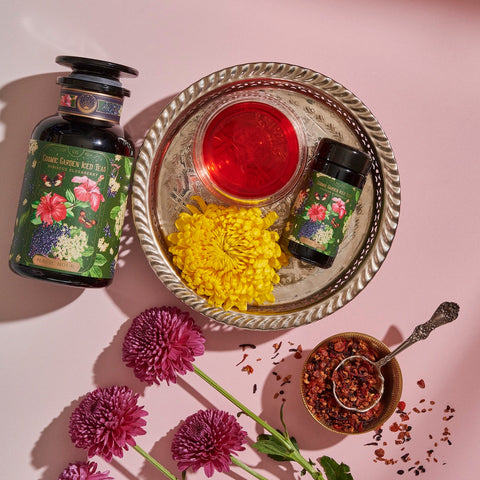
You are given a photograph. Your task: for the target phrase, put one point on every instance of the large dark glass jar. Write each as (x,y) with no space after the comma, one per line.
(77,177)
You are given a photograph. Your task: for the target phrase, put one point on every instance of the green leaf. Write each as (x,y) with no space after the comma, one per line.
(36,220)
(334,471)
(87,252)
(100,260)
(23,218)
(114,212)
(95,272)
(128,167)
(70,196)
(273,447)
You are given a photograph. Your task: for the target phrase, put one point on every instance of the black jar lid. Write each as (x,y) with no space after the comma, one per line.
(331,151)
(98,75)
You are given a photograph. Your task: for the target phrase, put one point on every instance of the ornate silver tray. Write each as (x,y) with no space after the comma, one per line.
(165,179)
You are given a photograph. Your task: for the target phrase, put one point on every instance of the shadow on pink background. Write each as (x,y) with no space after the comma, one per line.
(24,108)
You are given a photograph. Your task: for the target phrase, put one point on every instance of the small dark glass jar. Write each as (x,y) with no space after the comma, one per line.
(76,182)
(325,202)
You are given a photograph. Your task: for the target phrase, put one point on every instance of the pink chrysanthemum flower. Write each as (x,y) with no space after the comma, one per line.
(84,471)
(207,439)
(106,421)
(161,343)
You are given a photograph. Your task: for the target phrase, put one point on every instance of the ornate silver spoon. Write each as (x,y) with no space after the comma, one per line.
(357,372)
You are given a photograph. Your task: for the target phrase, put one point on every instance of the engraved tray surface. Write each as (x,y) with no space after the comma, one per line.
(165,180)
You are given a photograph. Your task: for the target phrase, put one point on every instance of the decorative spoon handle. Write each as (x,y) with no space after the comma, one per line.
(445,313)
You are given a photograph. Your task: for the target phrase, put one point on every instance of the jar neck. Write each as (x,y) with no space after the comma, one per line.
(89,104)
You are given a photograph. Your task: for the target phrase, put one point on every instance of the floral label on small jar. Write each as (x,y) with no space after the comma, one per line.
(72,209)
(321,212)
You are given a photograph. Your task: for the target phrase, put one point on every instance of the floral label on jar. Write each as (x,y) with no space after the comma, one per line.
(321,212)
(73,203)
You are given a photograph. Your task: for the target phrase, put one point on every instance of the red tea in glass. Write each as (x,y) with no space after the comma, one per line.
(250,150)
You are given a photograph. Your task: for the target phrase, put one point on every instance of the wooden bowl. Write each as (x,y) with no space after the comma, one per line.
(316,384)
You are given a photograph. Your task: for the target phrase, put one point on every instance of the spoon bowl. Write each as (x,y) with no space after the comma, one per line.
(358,383)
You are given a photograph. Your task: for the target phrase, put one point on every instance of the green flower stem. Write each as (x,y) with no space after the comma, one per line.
(157,465)
(249,470)
(297,457)
(293,452)
(242,407)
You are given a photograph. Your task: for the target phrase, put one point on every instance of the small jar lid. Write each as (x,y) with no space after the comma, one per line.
(95,74)
(331,151)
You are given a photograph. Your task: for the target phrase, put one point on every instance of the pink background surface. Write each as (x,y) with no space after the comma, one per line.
(415,64)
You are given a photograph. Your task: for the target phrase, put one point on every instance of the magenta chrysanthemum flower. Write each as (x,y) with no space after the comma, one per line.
(106,421)
(84,471)
(161,343)
(207,439)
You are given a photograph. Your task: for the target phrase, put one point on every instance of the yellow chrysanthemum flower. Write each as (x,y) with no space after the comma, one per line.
(227,254)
